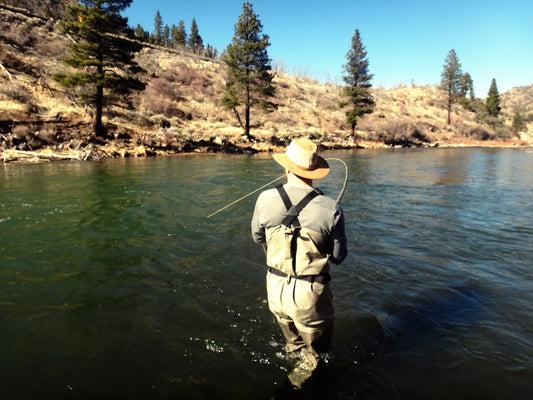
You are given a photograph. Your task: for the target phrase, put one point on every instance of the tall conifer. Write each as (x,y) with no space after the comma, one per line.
(196,43)
(517,124)
(166,37)
(103,56)
(179,35)
(141,34)
(466,87)
(357,83)
(451,79)
(493,100)
(249,82)
(157,35)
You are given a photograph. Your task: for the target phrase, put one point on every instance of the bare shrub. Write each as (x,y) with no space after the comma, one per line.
(202,81)
(479,133)
(293,93)
(18,37)
(161,97)
(9,60)
(462,129)
(34,142)
(49,48)
(25,136)
(168,140)
(165,106)
(48,134)
(182,73)
(280,118)
(20,132)
(283,85)
(400,133)
(314,91)
(198,83)
(327,103)
(163,88)
(214,91)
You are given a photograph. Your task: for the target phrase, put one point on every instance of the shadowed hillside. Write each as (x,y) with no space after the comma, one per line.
(180,110)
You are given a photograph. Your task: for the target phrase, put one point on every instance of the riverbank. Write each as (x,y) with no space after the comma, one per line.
(181,111)
(94,151)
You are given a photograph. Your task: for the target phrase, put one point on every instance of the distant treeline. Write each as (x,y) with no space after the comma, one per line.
(456,84)
(55,9)
(175,37)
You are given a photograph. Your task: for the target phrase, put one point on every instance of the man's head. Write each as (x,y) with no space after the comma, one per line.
(301,159)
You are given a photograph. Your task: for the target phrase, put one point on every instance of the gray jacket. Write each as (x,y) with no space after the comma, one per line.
(322,235)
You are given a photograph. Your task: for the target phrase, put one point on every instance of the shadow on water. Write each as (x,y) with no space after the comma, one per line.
(432,313)
(359,340)
(347,382)
(433,332)
(363,341)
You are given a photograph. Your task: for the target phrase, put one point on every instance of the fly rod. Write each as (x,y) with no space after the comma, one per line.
(339,198)
(249,194)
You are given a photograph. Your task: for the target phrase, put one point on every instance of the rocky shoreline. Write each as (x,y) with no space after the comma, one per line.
(94,151)
(44,141)
(54,140)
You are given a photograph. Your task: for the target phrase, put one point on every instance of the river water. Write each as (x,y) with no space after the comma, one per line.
(114,283)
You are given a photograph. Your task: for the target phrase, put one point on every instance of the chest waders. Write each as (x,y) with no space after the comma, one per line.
(294,251)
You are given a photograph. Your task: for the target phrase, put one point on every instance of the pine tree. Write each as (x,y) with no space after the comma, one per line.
(179,35)
(210,52)
(166,37)
(250,74)
(157,35)
(104,56)
(357,79)
(141,34)
(518,123)
(466,87)
(493,100)
(182,34)
(196,43)
(451,79)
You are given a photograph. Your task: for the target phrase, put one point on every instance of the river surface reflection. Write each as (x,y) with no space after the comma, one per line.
(114,284)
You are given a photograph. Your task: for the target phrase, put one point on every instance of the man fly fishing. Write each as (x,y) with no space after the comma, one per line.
(303,230)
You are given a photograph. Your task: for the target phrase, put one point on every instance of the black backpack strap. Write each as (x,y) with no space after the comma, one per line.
(294,210)
(284,197)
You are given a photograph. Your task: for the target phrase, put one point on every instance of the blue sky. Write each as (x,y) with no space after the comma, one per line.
(406,41)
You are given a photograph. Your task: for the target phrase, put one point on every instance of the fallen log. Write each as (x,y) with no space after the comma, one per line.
(6,71)
(46,155)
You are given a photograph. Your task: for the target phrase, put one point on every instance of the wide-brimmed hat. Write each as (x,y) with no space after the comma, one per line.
(301,159)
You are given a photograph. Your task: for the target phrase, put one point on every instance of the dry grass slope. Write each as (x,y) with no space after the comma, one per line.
(180,110)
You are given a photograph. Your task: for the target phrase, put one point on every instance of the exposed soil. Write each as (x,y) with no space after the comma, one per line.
(180,111)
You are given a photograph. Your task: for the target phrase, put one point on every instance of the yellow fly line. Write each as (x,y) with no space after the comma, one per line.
(282,176)
(249,194)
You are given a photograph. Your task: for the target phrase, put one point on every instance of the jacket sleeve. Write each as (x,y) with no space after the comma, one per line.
(338,240)
(258,228)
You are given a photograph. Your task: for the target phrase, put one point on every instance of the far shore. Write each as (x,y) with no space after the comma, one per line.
(112,150)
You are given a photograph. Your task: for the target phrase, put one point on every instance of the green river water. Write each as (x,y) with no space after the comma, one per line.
(114,284)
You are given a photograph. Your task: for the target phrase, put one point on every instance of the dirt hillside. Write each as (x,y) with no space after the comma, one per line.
(180,110)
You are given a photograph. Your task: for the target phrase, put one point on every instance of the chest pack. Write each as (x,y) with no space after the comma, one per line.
(294,250)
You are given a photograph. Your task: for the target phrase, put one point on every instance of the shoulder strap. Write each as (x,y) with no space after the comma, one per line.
(294,210)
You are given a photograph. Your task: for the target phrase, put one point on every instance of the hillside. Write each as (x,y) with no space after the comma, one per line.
(180,110)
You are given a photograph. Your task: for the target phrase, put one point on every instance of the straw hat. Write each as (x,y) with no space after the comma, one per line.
(301,159)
